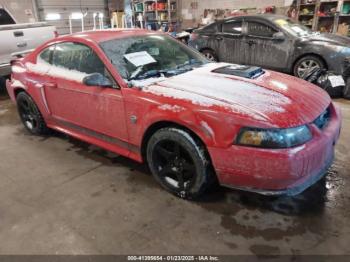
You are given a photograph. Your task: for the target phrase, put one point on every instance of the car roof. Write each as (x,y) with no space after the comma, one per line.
(99,36)
(270,17)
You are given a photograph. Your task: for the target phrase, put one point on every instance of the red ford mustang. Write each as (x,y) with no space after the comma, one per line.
(146,96)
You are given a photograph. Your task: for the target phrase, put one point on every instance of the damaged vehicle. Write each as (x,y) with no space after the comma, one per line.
(272,41)
(146,96)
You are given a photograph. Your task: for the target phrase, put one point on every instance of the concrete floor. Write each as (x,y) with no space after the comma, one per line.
(62,196)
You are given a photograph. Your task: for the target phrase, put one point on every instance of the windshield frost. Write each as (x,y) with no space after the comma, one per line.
(148,56)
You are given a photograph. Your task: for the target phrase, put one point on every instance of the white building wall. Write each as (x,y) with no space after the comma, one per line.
(22,10)
(225,4)
(66,7)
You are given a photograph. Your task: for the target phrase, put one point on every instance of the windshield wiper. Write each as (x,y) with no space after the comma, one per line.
(189,63)
(140,74)
(183,68)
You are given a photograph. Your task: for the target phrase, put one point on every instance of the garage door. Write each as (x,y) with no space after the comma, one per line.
(65,7)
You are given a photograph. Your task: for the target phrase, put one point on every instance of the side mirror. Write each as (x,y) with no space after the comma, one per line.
(279,36)
(97,79)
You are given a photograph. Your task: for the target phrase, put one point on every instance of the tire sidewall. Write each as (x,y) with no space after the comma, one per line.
(308,57)
(41,129)
(195,151)
(207,51)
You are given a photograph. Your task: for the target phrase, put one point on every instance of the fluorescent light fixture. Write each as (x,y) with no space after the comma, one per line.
(76,15)
(52,16)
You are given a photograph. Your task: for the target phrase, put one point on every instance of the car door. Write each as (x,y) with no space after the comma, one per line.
(209,37)
(232,47)
(266,50)
(92,110)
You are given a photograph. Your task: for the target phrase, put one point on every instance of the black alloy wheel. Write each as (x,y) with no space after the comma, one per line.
(179,163)
(30,115)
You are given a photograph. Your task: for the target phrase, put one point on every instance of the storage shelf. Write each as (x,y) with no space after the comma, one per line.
(163,15)
(330,21)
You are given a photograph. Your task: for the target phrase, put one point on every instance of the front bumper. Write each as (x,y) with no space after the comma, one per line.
(278,171)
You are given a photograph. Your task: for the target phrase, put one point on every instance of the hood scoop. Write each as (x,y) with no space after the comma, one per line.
(245,71)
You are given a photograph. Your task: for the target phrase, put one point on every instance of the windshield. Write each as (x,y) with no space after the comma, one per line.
(294,28)
(147,56)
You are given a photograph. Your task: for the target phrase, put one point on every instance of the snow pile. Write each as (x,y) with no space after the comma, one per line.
(173,108)
(42,67)
(146,82)
(202,87)
(17,83)
(18,69)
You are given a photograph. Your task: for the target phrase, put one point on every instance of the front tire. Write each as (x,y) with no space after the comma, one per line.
(179,163)
(306,64)
(210,55)
(30,115)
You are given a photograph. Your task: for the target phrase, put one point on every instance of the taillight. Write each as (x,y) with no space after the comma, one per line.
(56,33)
(193,36)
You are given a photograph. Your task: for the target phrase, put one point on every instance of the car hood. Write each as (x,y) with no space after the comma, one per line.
(330,39)
(275,99)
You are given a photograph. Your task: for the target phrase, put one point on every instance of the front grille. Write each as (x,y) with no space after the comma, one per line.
(322,121)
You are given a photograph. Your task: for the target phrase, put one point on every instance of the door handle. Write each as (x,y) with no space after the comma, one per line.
(50,84)
(219,38)
(18,33)
(22,44)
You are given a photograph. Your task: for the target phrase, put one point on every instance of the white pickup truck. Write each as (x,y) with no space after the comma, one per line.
(19,39)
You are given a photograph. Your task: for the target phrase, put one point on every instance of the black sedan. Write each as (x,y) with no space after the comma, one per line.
(273,42)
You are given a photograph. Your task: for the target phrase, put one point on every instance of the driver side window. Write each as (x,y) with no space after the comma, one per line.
(232,27)
(80,58)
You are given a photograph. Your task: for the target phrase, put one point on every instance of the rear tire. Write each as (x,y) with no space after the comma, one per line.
(210,55)
(179,163)
(306,64)
(30,115)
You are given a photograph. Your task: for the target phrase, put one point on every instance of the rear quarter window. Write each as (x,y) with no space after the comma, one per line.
(212,28)
(260,30)
(5,18)
(232,27)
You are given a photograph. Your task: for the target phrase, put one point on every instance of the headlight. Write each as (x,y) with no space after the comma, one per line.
(273,138)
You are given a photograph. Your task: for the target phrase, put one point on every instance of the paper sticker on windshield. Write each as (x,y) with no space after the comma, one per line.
(140,58)
(281,22)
